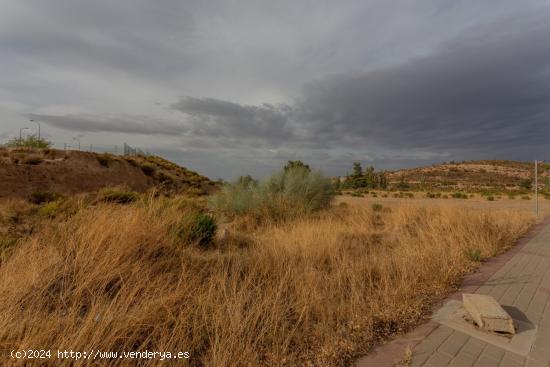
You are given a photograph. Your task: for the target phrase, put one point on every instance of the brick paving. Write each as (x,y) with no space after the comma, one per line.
(520,281)
(523,283)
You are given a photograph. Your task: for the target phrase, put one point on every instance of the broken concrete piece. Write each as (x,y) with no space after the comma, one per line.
(487,313)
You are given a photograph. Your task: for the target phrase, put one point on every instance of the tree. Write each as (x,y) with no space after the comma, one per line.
(293,165)
(357,170)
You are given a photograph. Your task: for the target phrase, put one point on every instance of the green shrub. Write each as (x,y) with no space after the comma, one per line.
(491,198)
(459,195)
(39,197)
(526,197)
(118,195)
(285,194)
(474,255)
(199,228)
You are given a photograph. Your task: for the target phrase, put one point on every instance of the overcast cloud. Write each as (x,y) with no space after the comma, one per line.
(228,88)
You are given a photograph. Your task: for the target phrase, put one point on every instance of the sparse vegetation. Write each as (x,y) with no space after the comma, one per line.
(119,195)
(30,141)
(288,193)
(317,290)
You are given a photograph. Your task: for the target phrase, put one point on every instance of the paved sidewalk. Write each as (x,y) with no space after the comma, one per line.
(521,285)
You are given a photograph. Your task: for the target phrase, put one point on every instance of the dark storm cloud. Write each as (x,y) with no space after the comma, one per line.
(486,92)
(216,118)
(97,123)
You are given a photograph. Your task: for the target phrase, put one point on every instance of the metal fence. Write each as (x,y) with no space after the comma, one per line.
(123,149)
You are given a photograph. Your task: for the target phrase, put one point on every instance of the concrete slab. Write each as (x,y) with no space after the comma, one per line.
(487,313)
(453,315)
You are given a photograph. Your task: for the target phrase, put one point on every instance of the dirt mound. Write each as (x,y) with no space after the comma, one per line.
(473,175)
(26,171)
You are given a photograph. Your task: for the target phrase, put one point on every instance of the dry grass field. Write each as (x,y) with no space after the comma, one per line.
(317,290)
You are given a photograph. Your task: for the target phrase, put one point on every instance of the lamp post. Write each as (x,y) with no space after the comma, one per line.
(21,133)
(37,123)
(77,139)
(536,188)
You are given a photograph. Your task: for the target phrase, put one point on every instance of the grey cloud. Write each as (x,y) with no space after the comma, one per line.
(216,118)
(487,89)
(119,124)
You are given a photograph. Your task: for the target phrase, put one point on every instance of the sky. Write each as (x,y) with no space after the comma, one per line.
(229,87)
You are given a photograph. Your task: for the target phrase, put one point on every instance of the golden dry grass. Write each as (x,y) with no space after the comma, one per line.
(316,291)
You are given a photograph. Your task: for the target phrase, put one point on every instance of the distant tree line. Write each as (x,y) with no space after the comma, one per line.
(367,178)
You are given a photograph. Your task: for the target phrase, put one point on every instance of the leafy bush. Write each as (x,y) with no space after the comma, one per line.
(474,255)
(119,195)
(285,194)
(199,228)
(39,197)
(459,195)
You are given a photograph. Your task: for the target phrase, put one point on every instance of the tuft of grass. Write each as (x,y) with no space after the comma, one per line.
(491,198)
(148,169)
(119,195)
(459,195)
(474,255)
(39,197)
(377,207)
(525,197)
(199,228)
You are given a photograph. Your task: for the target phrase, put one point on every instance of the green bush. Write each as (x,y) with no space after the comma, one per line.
(491,198)
(39,197)
(199,228)
(474,255)
(118,195)
(285,194)
(526,197)
(459,195)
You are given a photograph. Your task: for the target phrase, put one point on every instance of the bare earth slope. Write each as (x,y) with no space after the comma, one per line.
(24,171)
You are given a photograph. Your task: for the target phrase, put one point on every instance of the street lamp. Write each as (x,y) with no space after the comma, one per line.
(38,123)
(21,133)
(77,139)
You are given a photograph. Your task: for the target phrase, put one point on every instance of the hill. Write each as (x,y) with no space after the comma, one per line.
(26,170)
(472,175)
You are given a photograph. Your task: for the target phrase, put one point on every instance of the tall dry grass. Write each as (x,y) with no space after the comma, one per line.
(315,291)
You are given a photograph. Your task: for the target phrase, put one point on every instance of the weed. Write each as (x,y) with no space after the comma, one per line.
(119,195)
(39,197)
(199,228)
(377,207)
(491,198)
